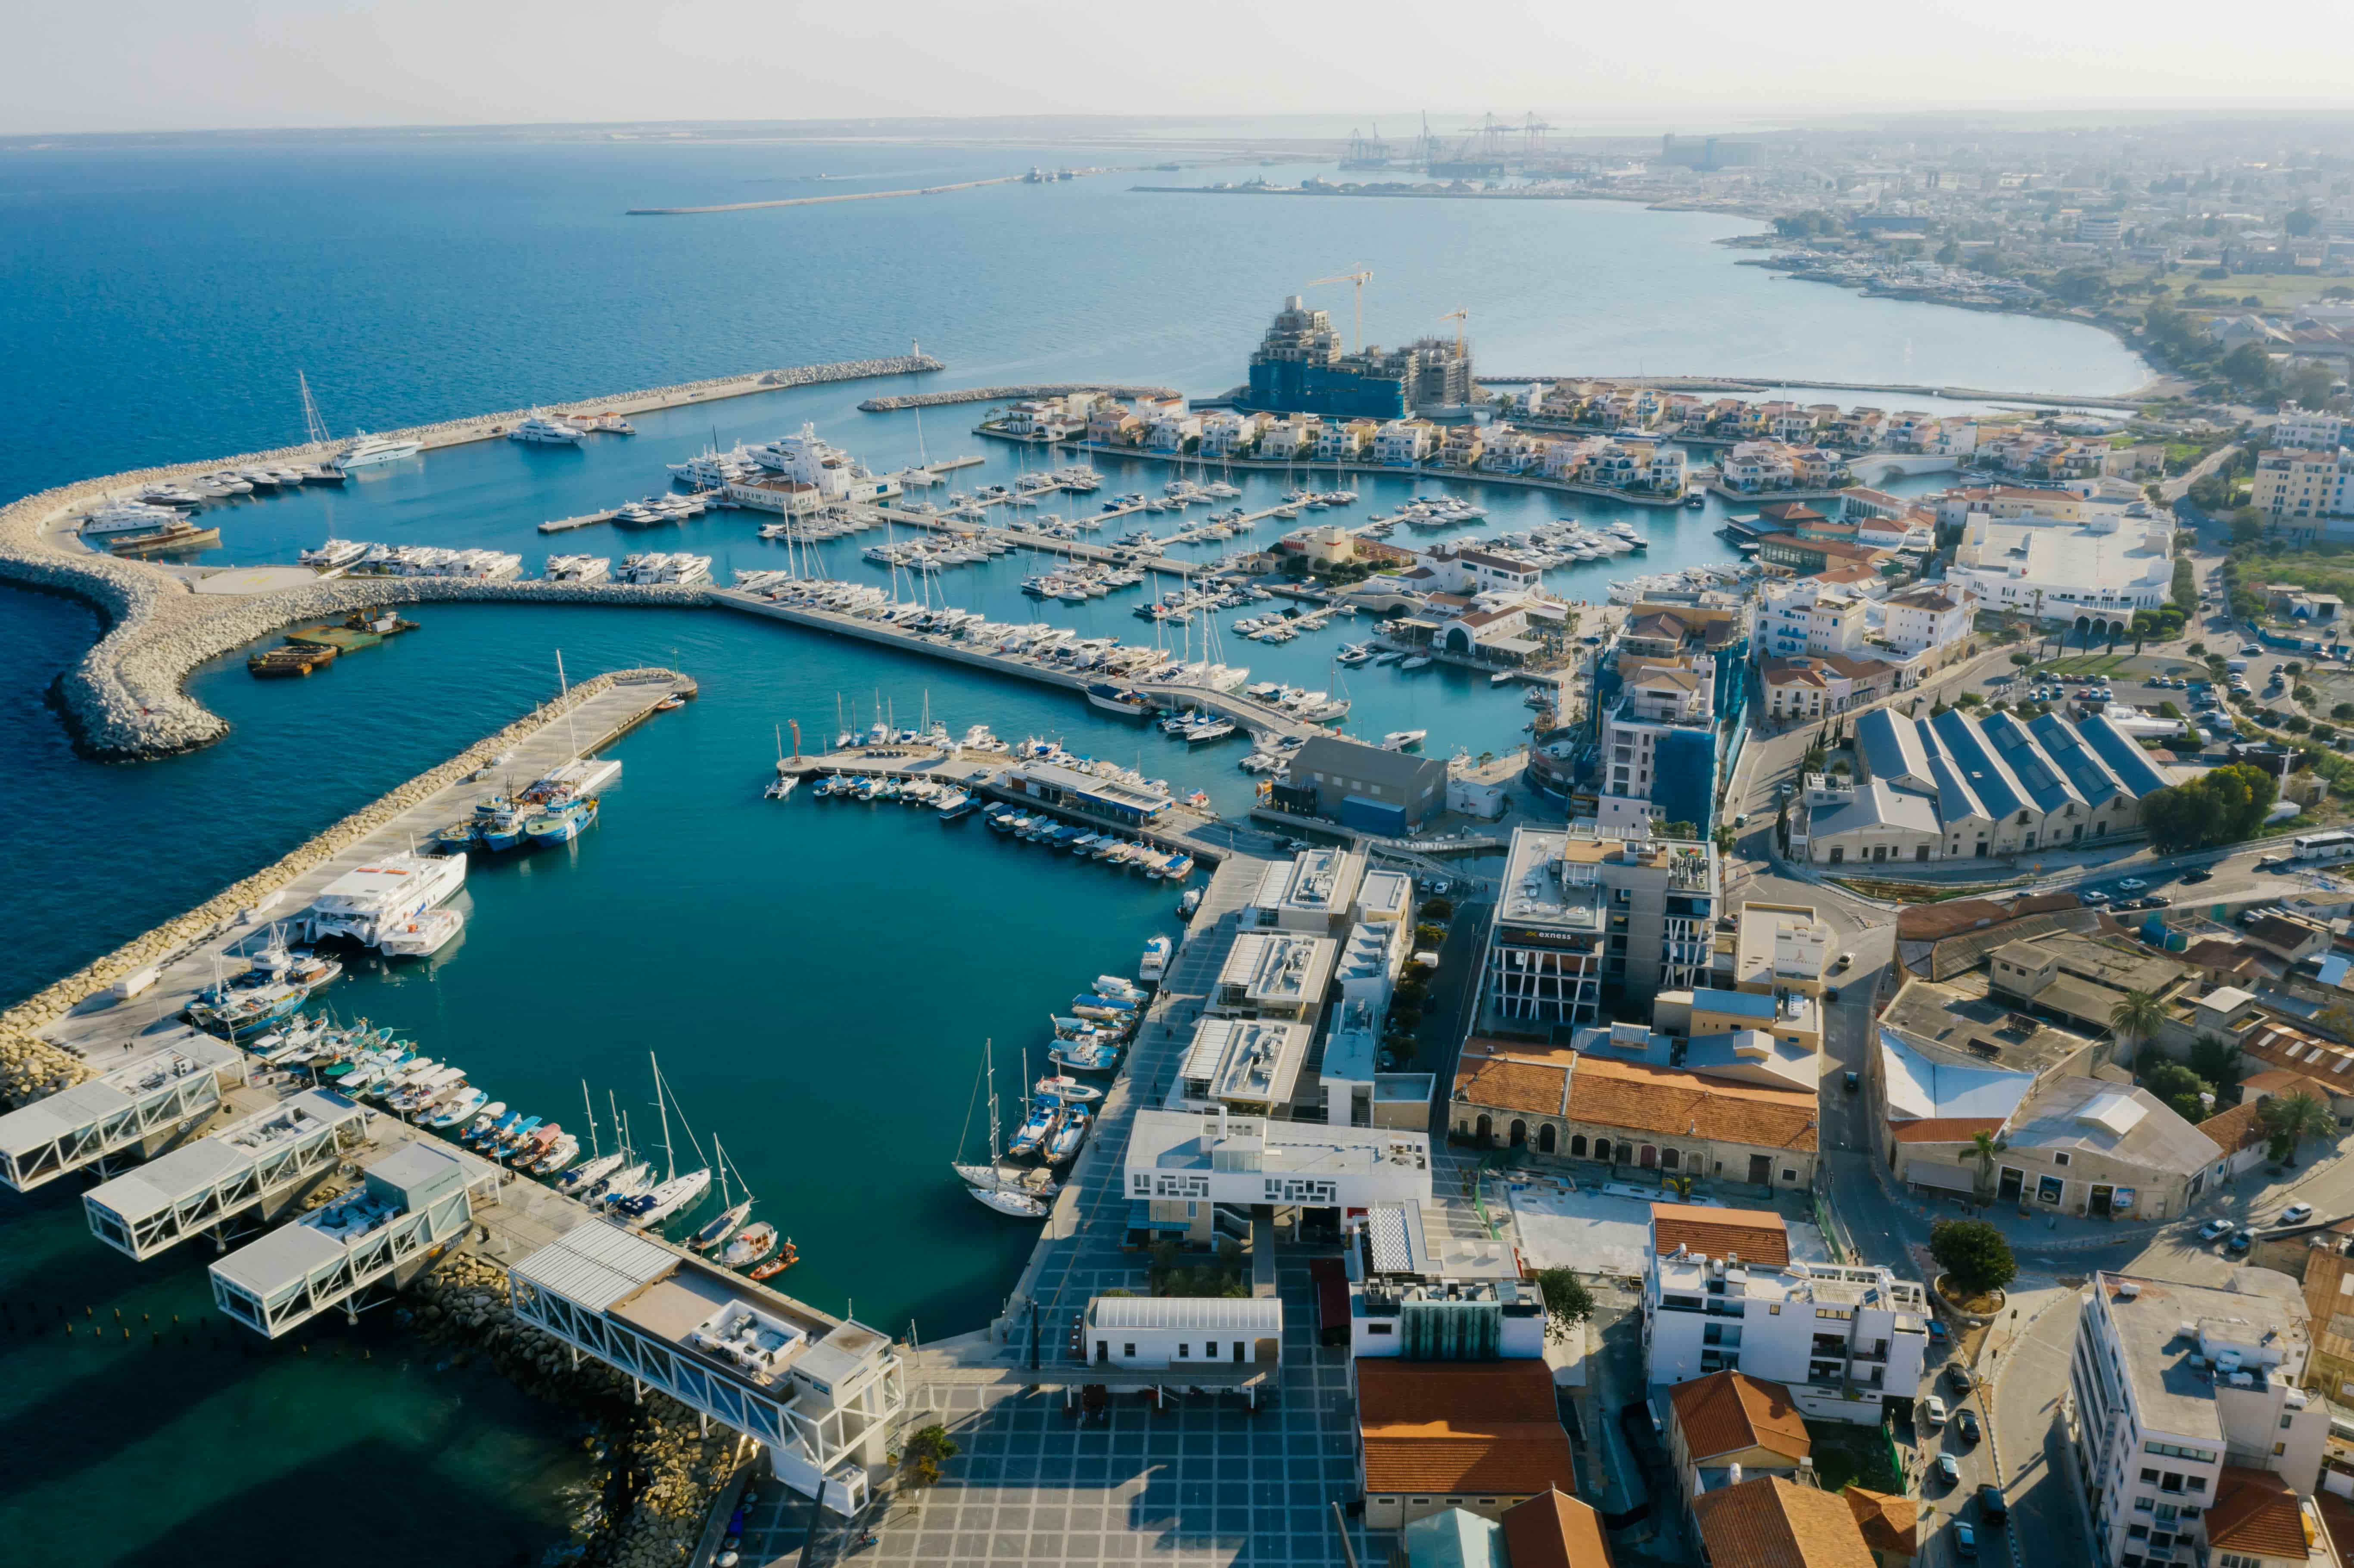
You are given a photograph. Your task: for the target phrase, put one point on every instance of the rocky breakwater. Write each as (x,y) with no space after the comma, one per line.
(31,1067)
(123,699)
(660,1472)
(1008,393)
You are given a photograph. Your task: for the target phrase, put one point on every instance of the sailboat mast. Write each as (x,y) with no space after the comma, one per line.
(564,696)
(662,1106)
(589,1106)
(989,1057)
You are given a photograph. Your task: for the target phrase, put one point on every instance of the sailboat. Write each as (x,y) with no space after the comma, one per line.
(781,787)
(675,1191)
(729,1215)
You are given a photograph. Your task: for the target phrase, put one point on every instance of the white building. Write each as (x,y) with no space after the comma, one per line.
(1184,1163)
(1926,617)
(2307,430)
(1186,1332)
(2093,573)
(1801,615)
(1404,442)
(1277,975)
(1286,440)
(2191,1433)
(1250,1065)
(1843,1339)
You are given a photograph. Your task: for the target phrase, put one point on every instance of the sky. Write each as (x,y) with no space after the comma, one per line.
(163,65)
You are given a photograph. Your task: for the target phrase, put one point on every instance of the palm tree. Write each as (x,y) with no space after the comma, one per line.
(2137,1016)
(1984,1147)
(2289,1119)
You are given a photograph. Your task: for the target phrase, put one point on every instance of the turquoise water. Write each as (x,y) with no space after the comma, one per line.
(817,978)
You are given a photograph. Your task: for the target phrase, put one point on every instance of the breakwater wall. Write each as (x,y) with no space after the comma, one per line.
(122,700)
(1741,383)
(1009,394)
(31,1067)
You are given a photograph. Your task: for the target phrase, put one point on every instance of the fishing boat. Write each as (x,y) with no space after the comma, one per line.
(1070,1131)
(1032,1135)
(237,1009)
(752,1244)
(560,1152)
(562,823)
(1119,989)
(1088,1056)
(468,1103)
(786,1258)
(1155,962)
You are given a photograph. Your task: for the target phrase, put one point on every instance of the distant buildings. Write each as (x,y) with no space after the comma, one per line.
(1670,680)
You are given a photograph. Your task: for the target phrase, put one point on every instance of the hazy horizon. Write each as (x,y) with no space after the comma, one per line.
(143,66)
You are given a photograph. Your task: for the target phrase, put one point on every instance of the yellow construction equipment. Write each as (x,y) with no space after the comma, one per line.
(1459,318)
(1361,277)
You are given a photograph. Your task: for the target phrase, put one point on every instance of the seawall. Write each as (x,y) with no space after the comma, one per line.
(122,700)
(1005,394)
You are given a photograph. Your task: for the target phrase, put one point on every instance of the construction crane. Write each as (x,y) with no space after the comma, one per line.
(1460,318)
(1359,277)
(1534,130)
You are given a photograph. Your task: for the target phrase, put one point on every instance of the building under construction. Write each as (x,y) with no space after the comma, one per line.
(1299,368)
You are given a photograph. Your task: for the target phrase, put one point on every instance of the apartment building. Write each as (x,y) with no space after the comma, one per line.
(2194,1441)
(1589,909)
(2296,483)
(1843,1340)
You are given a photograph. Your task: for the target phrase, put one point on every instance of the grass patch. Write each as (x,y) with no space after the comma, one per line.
(2088,664)
(1849,1454)
(1922,893)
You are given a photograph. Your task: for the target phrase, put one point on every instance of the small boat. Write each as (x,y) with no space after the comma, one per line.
(560,1152)
(468,1104)
(752,1244)
(561,824)
(1070,1131)
(1030,1136)
(1401,740)
(1155,962)
(1187,902)
(584,1178)
(422,936)
(1018,1205)
(1418,662)
(1085,1055)
(1503,677)
(719,1228)
(785,1258)
(1068,1089)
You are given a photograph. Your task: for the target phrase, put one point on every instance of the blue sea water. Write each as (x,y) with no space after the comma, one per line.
(817,979)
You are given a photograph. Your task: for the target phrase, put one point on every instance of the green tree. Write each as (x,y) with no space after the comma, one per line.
(926,1451)
(2289,1119)
(1984,1147)
(1974,1254)
(2178,1088)
(1566,1300)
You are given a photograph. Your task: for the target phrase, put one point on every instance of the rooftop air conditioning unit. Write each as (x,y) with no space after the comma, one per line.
(2128,1289)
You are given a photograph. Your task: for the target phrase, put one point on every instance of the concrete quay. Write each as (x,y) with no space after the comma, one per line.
(75,1027)
(1259,718)
(1009,394)
(122,699)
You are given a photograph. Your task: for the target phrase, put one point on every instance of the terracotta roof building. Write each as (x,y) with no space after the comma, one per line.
(2256,1514)
(1553,1530)
(1480,1435)
(1581,1106)
(1757,1235)
(1771,1522)
(1730,1419)
(1890,1525)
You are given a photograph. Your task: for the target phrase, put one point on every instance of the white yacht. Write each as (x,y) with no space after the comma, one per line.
(578,569)
(380,898)
(541,431)
(334,555)
(128,517)
(368,451)
(170,496)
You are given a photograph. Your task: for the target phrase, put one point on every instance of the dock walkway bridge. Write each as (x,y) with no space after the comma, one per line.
(820,1393)
(136,1108)
(252,1168)
(409,1205)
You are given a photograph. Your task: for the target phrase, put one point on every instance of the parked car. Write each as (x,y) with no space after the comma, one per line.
(2297,1213)
(1966,1422)
(1965,1540)
(2131,884)
(1844,960)
(2240,1243)
(1993,1507)
(1948,1471)
(2093,897)
(2214,1230)
(1933,1410)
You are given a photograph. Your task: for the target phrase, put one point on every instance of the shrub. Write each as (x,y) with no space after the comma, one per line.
(1567,1301)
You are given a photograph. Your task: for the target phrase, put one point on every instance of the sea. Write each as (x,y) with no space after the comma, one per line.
(818,981)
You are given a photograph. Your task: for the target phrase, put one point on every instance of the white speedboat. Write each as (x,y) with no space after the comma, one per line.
(1400,739)
(368,451)
(1155,962)
(128,517)
(421,937)
(1063,1087)
(334,555)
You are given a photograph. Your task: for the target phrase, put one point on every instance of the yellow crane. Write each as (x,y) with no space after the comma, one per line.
(1460,318)
(1359,277)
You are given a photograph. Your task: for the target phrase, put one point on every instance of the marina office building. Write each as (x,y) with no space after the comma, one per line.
(1589,910)
(1181,1165)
